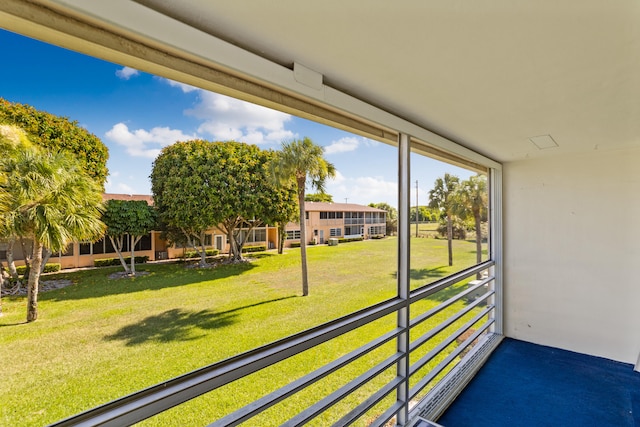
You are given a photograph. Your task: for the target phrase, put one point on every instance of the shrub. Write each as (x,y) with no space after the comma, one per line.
(378,236)
(256,248)
(295,244)
(106,262)
(48,268)
(350,239)
(459,229)
(196,254)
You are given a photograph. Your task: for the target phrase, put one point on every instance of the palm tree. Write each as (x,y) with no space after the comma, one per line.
(48,198)
(299,160)
(441,197)
(472,198)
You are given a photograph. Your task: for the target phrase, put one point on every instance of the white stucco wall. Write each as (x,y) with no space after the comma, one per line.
(572,252)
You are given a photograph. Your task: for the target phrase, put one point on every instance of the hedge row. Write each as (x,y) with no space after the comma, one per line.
(257,248)
(105,262)
(196,254)
(48,268)
(340,240)
(350,239)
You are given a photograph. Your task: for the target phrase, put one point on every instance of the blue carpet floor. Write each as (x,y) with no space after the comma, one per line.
(526,385)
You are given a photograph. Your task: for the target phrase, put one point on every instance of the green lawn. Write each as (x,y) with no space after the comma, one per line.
(100,338)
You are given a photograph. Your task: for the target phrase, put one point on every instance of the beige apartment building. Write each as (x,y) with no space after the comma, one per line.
(338,220)
(324,220)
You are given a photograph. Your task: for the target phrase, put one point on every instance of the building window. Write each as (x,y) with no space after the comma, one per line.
(144,244)
(260,235)
(335,232)
(377,230)
(85,248)
(352,230)
(207,240)
(68,251)
(324,215)
(293,234)
(109,246)
(98,247)
(353,218)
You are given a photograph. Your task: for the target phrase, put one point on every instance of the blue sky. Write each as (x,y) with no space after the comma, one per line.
(136,114)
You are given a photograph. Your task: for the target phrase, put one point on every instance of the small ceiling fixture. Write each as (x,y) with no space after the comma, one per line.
(543,142)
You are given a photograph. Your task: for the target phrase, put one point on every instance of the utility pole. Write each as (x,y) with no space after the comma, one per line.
(417,210)
(346,199)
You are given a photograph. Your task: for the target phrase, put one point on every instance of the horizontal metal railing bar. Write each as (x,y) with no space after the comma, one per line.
(427,314)
(160,397)
(369,403)
(434,372)
(443,325)
(271,399)
(330,400)
(446,342)
(438,285)
(383,419)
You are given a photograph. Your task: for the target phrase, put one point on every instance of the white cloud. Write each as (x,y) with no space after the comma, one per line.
(182,86)
(226,118)
(143,143)
(126,73)
(342,145)
(348,143)
(338,178)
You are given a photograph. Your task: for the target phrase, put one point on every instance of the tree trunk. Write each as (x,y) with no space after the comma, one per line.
(203,252)
(237,245)
(133,241)
(450,238)
(282,234)
(303,238)
(11,262)
(46,254)
(477,219)
(118,248)
(4,278)
(34,279)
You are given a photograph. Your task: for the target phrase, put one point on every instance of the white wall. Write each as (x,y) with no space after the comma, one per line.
(572,252)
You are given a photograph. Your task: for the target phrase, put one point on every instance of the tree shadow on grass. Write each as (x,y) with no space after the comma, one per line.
(431,275)
(424,273)
(178,325)
(427,273)
(95,283)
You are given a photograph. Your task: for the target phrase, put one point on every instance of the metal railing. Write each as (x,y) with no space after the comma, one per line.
(163,396)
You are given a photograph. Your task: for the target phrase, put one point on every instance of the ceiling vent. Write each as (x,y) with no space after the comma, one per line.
(543,142)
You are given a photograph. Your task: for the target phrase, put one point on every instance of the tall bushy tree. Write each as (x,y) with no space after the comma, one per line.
(391,217)
(200,184)
(128,219)
(181,183)
(318,197)
(56,134)
(59,134)
(299,161)
(250,198)
(441,197)
(48,198)
(471,199)
(12,140)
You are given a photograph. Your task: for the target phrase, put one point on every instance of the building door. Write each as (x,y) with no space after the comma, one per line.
(219,242)
(321,237)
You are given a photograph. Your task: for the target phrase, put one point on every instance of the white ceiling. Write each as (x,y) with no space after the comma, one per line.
(486,74)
